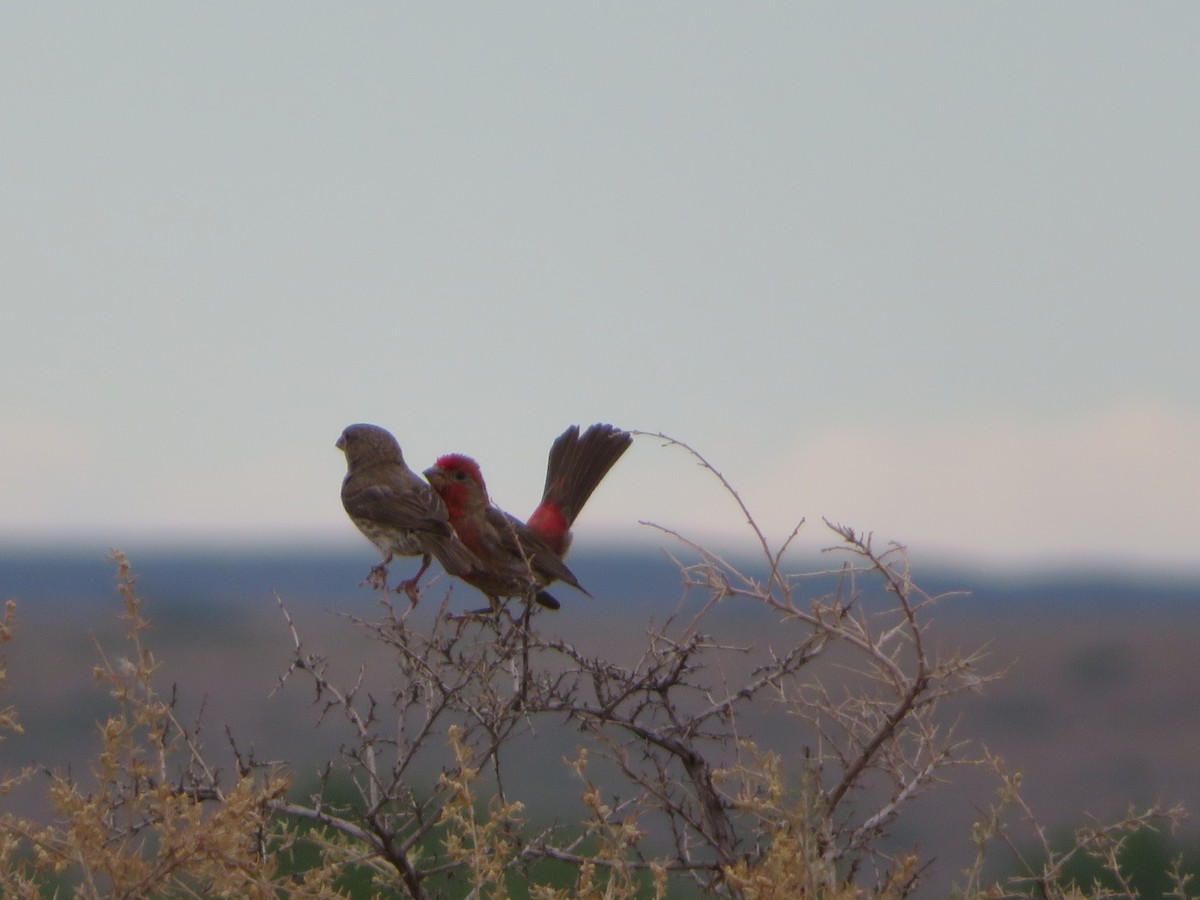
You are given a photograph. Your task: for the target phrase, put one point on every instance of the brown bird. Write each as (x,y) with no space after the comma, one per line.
(519,559)
(397,511)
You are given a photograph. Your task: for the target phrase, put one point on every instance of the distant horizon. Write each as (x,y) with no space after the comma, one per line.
(803,554)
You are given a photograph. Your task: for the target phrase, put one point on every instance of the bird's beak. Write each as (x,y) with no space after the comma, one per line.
(341,443)
(434,475)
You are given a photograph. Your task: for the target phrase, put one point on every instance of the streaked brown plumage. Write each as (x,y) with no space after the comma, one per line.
(396,510)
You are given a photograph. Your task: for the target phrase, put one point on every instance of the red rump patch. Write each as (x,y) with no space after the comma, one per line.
(550,525)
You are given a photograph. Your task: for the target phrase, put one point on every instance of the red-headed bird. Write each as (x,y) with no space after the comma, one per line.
(397,511)
(519,558)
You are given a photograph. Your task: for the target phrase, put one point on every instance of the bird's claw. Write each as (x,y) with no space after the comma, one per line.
(409,587)
(377,578)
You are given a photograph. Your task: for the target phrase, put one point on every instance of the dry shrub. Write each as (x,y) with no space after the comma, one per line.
(676,793)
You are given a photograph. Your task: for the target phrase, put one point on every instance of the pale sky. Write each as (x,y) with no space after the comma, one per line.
(932,270)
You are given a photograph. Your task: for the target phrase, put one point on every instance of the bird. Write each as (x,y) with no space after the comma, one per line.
(522,558)
(397,511)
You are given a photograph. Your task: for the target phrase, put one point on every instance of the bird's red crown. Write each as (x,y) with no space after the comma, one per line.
(454,463)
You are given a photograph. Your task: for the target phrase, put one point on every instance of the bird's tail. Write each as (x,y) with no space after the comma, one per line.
(547,600)
(577,464)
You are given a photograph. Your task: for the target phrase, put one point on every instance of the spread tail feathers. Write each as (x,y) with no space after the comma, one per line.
(578,463)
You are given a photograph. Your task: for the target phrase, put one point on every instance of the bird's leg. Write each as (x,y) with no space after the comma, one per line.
(409,586)
(492,611)
(378,575)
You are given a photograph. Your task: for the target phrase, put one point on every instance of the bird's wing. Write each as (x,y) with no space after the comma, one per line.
(400,507)
(525,547)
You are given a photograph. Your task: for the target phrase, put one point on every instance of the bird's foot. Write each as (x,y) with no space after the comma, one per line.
(409,587)
(377,578)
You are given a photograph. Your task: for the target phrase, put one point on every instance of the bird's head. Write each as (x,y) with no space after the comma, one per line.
(367,444)
(458,480)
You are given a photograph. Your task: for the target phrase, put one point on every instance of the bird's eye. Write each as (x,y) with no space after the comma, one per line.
(460,475)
